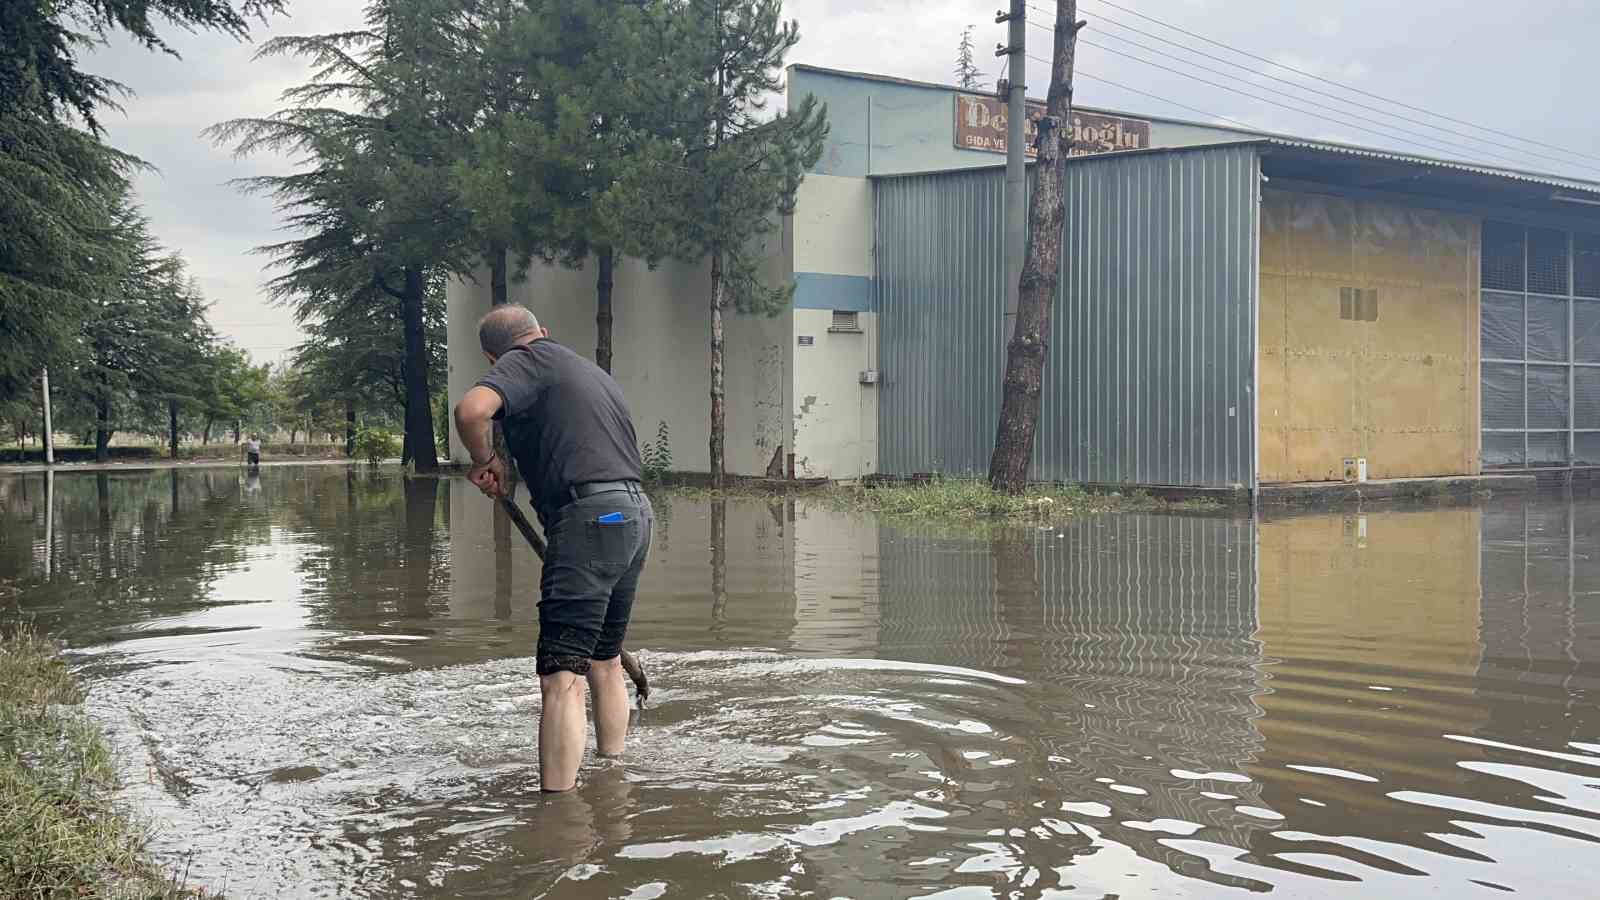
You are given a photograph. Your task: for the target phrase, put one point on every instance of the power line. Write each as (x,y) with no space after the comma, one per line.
(1347,87)
(1076,72)
(1429,144)
(1477,139)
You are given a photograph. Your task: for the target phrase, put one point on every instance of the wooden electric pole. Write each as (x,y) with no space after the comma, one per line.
(1030,342)
(1016,211)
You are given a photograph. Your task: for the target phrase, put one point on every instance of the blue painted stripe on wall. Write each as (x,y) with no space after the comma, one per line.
(847,293)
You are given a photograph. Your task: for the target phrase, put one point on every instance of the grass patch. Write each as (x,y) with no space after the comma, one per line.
(60,834)
(961,500)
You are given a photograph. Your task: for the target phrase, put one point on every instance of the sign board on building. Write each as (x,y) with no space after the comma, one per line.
(981,125)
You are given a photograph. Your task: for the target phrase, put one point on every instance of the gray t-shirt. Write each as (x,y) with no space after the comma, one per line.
(565,421)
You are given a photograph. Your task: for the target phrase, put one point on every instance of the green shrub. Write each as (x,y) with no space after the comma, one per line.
(376,445)
(656,455)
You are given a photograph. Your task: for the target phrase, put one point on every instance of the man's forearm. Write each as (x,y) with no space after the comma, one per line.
(476,435)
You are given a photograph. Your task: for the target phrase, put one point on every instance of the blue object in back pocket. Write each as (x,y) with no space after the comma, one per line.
(613,518)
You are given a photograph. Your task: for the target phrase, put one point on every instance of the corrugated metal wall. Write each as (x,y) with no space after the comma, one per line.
(1153,340)
(940,285)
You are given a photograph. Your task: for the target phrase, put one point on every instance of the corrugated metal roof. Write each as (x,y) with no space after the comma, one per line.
(1325,147)
(1575,184)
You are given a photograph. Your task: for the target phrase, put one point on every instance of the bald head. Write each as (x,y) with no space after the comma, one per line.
(506,327)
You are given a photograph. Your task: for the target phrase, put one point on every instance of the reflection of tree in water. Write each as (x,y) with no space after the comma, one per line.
(123,547)
(1135,635)
(376,550)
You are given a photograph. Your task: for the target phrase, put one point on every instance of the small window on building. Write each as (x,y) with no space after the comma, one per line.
(845,321)
(1358,305)
(1503,256)
(1547,261)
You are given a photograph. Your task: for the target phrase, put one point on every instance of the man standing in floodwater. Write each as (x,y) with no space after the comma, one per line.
(570,432)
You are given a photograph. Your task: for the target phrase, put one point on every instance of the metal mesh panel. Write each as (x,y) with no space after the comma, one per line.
(1548,394)
(1586,331)
(1502,256)
(1501,324)
(1547,450)
(1585,398)
(1502,396)
(1586,448)
(1502,450)
(1547,328)
(1586,265)
(1547,261)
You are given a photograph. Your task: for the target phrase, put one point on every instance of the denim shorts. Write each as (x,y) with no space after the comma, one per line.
(591,571)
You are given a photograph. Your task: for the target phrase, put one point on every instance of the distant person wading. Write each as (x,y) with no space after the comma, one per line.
(569,430)
(252,450)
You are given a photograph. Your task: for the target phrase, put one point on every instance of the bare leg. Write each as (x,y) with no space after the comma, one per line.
(561,731)
(606,682)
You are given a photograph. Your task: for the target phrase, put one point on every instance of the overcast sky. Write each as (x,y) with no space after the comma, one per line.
(1530,76)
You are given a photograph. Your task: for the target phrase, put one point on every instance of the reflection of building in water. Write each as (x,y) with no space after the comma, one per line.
(1135,635)
(1371,623)
(835,581)
(1541,642)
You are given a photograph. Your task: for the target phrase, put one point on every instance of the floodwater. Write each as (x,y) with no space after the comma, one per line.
(320,683)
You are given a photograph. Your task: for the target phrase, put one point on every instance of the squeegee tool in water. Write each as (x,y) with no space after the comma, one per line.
(630,663)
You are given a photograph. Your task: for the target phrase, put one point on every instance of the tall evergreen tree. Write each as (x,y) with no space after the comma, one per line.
(717,188)
(58,183)
(378,208)
(966,68)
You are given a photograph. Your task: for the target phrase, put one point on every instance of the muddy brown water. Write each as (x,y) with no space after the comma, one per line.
(319,683)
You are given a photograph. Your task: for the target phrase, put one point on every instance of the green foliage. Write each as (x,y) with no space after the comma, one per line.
(58,189)
(957,500)
(39,47)
(376,445)
(59,185)
(728,168)
(967,73)
(656,455)
(377,206)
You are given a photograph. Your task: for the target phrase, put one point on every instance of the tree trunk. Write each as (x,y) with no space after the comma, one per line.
(1025,356)
(419,423)
(350,429)
(102,429)
(172,427)
(238,430)
(717,411)
(205,436)
(605,264)
(497,273)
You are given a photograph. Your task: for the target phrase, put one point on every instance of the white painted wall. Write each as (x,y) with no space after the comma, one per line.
(833,226)
(661,352)
(835,416)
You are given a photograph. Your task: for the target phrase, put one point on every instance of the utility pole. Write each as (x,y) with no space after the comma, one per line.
(1016,209)
(49,427)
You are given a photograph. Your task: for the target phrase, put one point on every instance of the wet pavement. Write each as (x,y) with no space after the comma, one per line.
(319,682)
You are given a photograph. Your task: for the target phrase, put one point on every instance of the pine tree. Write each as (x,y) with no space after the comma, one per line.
(58,183)
(729,170)
(966,68)
(379,207)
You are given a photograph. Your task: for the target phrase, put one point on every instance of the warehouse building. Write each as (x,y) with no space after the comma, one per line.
(1236,309)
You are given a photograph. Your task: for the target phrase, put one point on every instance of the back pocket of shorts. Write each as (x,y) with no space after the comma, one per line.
(612,544)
